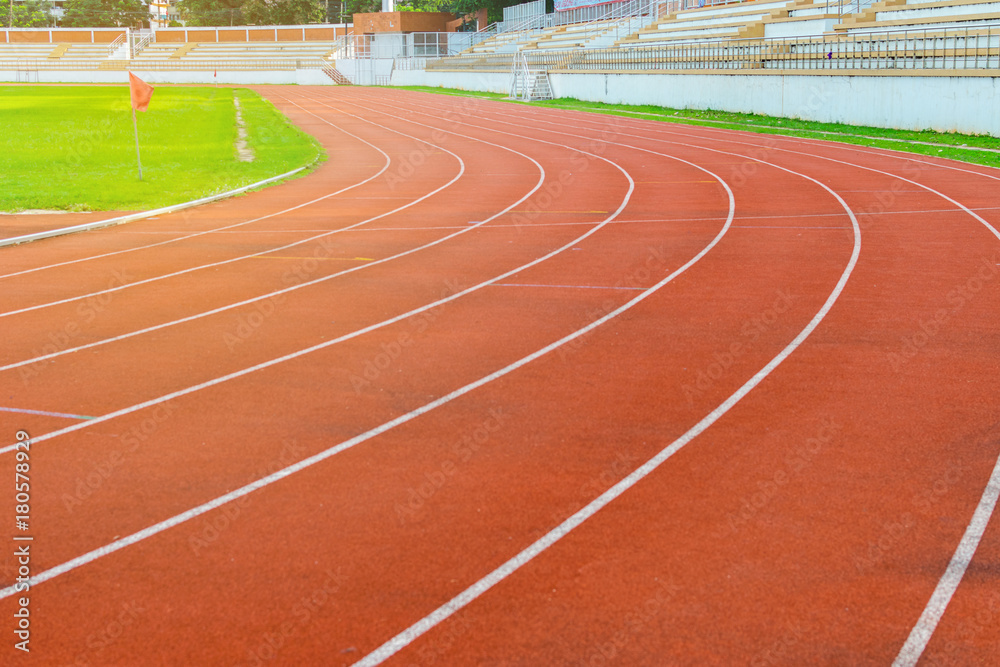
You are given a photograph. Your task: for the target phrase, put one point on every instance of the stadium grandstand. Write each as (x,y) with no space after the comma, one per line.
(950,46)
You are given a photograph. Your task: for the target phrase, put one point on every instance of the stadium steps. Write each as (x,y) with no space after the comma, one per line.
(336,76)
(901,15)
(183,50)
(738,21)
(59,51)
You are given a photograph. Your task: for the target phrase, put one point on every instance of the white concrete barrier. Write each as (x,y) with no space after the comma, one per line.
(966,104)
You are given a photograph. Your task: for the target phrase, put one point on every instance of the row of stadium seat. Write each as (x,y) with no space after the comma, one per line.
(756,19)
(53,55)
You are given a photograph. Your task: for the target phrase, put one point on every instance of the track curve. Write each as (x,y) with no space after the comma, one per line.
(733,396)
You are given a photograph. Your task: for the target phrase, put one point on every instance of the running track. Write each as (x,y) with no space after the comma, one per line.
(500,385)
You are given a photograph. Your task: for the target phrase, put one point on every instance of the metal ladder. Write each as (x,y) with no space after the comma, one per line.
(527,84)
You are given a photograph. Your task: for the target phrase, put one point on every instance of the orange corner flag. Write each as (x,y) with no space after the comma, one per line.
(140,91)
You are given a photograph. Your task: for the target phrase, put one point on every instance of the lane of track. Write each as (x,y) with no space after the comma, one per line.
(975,261)
(351,335)
(359,481)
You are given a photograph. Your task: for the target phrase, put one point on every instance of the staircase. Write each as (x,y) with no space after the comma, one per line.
(336,75)
(527,84)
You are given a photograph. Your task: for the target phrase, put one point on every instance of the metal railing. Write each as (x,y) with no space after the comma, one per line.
(141,41)
(117,44)
(525,10)
(618,18)
(927,49)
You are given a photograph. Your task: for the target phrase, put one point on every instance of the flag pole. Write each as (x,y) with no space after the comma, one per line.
(135,126)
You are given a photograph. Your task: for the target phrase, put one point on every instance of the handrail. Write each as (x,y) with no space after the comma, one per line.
(620,12)
(116,44)
(142,42)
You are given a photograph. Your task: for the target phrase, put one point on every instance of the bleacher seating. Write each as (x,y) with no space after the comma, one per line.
(734,21)
(510,42)
(595,34)
(26,51)
(240,55)
(911,15)
(758,34)
(259,50)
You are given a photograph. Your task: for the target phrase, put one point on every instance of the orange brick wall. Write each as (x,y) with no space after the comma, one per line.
(170,37)
(42,36)
(401,22)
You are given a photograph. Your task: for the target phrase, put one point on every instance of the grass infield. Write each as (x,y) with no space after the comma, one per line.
(72,148)
(978,149)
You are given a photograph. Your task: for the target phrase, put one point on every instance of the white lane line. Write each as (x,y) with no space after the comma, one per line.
(403,639)
(612,287)
(956,567)
(45,413)
(373,327)
(924,628)
(232,260)
(922,631)
(388,161)
(292,288)
(763,140)
(270,479)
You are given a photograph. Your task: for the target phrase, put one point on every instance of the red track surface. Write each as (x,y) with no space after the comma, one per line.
(850,305)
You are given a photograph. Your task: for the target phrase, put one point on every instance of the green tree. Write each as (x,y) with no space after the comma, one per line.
(212,12)
(424,5)
(27,14)
(494,8)
(281,12)
(105,14)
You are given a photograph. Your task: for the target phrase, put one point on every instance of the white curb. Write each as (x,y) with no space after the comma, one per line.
(121,220)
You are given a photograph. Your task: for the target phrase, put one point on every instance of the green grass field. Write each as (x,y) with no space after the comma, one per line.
(73,148)
(978,149)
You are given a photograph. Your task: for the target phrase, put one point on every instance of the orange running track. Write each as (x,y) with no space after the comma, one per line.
(500,385)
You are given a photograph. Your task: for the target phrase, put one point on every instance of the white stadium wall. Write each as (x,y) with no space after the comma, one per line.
(967,104)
